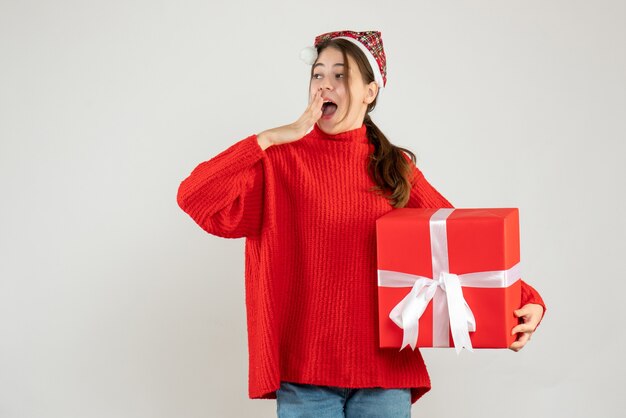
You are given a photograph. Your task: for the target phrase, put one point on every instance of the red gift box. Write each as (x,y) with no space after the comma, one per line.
(448,277)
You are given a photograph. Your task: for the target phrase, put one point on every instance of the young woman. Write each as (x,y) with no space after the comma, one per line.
(306,197)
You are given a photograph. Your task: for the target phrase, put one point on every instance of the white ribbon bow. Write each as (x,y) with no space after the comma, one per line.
(407,313)
(450,311)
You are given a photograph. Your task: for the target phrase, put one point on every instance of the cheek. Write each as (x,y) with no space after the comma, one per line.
(349,100)
(343,93)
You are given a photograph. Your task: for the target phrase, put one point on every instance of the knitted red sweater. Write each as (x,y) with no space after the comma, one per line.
(309,220)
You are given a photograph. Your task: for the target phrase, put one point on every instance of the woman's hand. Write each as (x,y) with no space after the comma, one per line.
(531,314)
(296,130)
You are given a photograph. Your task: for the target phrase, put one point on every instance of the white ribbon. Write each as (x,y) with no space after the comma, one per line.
(450,310)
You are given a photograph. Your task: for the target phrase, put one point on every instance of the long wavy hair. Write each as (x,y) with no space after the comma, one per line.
(389,167)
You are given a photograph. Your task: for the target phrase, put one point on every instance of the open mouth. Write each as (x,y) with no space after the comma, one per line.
(328,109)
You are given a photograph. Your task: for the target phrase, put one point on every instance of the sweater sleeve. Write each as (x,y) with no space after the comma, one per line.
(530,295)
(424,195)
(224,195)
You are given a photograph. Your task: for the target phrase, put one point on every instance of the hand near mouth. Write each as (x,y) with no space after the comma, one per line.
(294,131)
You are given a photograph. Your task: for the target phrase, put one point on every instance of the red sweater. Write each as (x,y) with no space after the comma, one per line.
(310,270)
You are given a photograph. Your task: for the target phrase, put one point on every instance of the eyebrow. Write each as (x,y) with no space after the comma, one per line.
(339,64)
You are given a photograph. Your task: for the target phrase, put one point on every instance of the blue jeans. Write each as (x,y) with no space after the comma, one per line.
(296,400)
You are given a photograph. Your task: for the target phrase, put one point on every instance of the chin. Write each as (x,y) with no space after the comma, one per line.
(332,127)
(328,127)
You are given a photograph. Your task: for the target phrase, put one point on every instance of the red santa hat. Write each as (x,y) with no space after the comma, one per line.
(370,42)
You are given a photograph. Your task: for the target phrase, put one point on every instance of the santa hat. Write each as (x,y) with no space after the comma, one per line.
(370,43)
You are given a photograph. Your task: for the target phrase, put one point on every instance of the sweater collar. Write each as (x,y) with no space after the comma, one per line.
(355,135)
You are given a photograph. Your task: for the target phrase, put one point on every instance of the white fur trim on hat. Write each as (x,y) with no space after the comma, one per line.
(378,76)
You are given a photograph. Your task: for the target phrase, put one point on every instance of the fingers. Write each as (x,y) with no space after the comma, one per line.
(318,92)
(530,318)
(317,101)
(530,309)
(530,315)
(520,343)
(523,311)
(527,327)
(314,110)
(524,332)
(316,97)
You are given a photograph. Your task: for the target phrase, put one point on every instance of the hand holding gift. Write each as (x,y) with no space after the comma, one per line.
(531,314)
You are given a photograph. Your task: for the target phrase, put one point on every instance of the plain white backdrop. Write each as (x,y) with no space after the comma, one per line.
(113,303)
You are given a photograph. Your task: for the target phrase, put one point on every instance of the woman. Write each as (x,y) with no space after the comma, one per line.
(307,205)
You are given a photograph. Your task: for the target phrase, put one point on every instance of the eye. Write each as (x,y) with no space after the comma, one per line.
(316,76)
(338,76)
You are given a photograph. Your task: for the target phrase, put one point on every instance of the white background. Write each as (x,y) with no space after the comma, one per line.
(113,303)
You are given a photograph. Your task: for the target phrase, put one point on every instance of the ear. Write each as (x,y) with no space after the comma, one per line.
(371,92)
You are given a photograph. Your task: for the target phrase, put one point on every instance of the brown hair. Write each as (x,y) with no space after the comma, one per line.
(389,167)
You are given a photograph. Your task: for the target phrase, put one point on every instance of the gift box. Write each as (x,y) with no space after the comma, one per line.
(448,277)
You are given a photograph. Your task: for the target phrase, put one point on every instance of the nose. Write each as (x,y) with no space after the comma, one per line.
(326,84)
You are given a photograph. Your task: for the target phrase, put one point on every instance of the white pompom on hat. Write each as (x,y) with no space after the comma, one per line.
(308,55)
